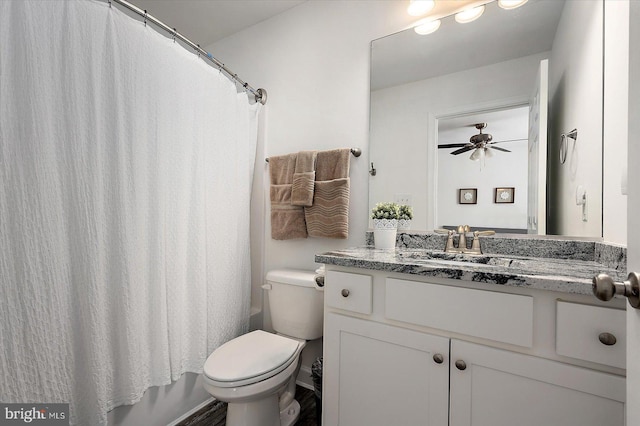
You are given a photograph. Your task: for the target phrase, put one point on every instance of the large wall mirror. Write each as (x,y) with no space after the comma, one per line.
(528,77)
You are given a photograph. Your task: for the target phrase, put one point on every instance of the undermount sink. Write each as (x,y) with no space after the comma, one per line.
(483,259)
(441,255)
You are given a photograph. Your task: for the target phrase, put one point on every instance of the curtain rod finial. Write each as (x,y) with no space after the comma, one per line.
(261,96)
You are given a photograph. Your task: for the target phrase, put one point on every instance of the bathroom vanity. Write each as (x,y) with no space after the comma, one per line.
(416,336)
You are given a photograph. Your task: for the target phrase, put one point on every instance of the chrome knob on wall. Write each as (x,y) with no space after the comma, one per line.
(604,288)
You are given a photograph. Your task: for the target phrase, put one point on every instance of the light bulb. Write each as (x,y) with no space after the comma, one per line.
(469,15)
(426,26)
(420,7)
(511,4)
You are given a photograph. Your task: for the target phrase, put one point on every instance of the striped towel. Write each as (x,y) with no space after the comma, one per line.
(328,217)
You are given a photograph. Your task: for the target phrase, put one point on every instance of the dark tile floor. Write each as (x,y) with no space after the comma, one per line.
(215,413)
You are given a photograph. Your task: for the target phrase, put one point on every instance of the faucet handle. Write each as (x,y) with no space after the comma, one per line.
(444,231)
(483,233)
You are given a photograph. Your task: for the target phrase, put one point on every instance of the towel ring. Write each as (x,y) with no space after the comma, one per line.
(564,144)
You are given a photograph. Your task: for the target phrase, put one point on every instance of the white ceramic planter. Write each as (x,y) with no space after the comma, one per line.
(404,224)
(384,233)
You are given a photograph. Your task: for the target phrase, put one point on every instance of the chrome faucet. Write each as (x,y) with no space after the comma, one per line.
(462,240)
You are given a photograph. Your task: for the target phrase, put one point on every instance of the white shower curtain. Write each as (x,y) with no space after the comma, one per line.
(125,171)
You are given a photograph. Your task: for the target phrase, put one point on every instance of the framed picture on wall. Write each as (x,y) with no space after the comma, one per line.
(467,196)
(504,195)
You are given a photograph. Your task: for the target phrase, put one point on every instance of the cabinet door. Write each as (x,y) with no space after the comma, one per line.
(376,374)
(502,388)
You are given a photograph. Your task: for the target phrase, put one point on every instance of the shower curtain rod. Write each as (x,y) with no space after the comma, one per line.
(259,94)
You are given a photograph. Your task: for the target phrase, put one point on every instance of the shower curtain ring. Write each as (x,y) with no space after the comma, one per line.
(175,32)
(109,3)
(198,50)
(145,17)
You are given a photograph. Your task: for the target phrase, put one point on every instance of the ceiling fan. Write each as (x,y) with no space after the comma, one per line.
(482,144)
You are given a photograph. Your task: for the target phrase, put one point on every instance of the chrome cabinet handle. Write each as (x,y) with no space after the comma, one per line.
(607,339)
(345,292)
(461,365)
(438,358)
(604,288)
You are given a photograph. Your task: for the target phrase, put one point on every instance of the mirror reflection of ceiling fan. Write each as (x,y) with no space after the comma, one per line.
(482,144)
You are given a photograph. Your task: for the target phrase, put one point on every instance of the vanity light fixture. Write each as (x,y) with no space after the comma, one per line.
(469,15)
(427,26)
(511,4)
(420,7)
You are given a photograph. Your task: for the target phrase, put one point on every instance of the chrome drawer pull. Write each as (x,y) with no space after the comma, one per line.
(607,339)
(345,292)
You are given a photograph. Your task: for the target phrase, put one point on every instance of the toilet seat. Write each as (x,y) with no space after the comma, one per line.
(250,358)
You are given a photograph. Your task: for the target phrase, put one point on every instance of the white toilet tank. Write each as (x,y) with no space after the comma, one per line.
(296,303)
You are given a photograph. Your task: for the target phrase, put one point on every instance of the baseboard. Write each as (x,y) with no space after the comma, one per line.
(192,411)
(304,377)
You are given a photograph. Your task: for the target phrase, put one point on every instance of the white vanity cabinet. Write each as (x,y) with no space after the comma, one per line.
(436,352)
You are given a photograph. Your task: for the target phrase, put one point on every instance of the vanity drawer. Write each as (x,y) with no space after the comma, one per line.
(351,292)
(578,331)
(491,315)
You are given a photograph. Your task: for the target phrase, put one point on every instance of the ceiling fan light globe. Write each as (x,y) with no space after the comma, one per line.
(488,153)
(475,156)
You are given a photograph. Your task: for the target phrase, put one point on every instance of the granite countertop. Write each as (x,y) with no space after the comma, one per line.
(568,275)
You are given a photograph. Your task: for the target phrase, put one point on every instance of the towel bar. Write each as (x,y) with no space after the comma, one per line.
(357,152)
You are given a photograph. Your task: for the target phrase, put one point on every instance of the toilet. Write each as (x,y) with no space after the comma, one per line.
(256,372)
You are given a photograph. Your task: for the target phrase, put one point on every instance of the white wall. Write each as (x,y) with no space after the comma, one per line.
(400,123)
(575,99)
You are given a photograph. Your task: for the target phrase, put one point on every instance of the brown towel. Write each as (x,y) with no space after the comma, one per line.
(303,179)
(328,217)
(287,221)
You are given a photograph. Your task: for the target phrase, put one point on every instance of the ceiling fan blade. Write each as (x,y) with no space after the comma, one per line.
(462,150)
(509,140)
(453,145)
(498,148)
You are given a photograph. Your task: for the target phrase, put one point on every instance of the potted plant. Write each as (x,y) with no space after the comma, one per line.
(405,214)
(385,225)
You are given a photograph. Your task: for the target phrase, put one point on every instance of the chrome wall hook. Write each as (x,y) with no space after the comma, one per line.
(373,170)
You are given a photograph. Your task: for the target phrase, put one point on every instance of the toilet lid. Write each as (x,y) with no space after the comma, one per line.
(250,355)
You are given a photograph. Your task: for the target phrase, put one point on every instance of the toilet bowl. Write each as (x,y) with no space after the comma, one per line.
(251,373)
(256,372)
